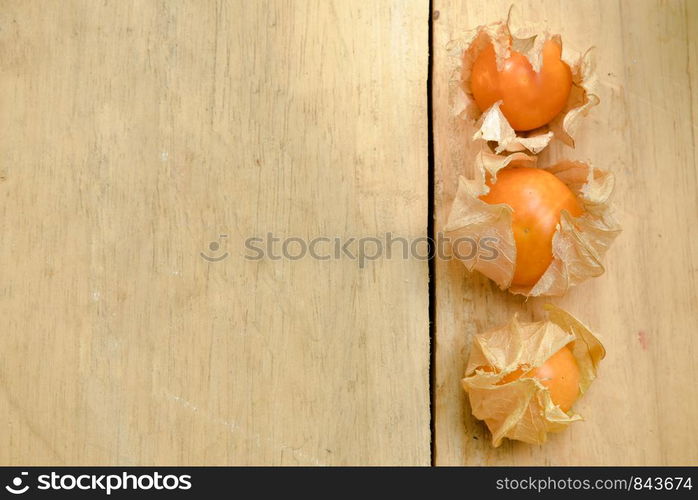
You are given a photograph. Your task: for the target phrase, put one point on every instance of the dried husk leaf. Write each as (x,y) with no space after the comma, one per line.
(527,39)
(579,243)
(523,409)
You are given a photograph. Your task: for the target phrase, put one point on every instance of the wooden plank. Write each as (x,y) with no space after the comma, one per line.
(133,134)
(643,408)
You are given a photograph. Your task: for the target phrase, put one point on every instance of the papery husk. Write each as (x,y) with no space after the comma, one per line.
(579,243)
(527,39)
(523,409)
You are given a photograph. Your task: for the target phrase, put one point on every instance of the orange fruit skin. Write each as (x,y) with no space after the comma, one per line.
(560,374)
(529,99)
(537,198)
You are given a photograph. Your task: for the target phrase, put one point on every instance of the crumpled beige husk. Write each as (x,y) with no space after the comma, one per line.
(523,409)
(579,243)
(527,39)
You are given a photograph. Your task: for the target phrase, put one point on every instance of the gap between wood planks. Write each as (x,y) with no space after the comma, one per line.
(430,232)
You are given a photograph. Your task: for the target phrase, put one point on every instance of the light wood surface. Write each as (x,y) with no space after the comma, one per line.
(643,408)
(134,133)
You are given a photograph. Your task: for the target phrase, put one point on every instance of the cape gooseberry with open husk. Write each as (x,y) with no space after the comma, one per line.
(521,84)
(537,199)
(529,98)
(545,228)
(523,379)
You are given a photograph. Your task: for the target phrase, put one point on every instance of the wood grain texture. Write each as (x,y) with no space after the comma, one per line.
(643,408)
(133,133)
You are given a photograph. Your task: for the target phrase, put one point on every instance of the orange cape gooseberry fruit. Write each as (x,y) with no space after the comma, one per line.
(537,198)
(560,374)
(530,99)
